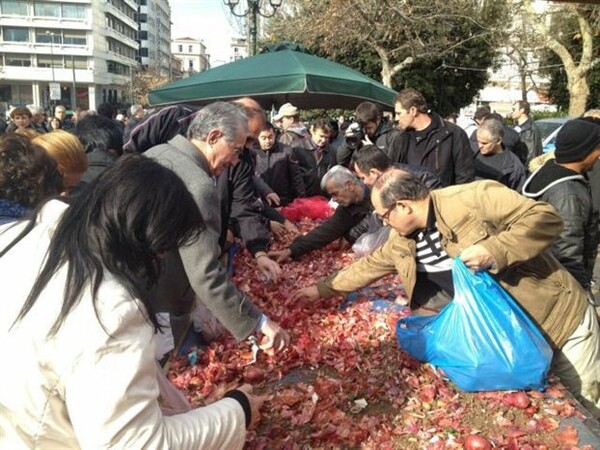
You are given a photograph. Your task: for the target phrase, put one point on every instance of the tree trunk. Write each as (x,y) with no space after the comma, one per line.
(386,72)
(523,77)
(579,92)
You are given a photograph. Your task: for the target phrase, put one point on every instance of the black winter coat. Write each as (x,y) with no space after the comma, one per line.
(279,168)
(445,150)
(569,192)
(241,209)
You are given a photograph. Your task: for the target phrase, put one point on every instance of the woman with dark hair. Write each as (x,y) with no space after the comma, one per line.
(27,176)
(78,320)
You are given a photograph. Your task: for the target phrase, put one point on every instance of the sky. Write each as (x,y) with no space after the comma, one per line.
(209,20)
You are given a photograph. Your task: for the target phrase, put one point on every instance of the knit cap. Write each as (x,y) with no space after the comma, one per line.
(575,140)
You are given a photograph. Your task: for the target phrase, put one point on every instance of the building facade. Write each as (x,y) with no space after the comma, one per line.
(191,54)
(154,36)
(77,53)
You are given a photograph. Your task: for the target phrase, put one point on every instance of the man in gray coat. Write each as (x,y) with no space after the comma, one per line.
(216,136)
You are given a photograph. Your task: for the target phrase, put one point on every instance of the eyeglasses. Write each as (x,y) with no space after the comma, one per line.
(386,215)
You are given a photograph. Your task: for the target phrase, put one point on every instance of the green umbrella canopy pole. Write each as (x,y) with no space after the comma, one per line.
(275,78)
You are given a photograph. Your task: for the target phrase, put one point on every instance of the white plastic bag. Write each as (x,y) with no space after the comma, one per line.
(368,242)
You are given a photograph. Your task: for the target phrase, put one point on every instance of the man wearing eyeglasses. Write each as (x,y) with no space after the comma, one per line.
(490,227)
(215,139)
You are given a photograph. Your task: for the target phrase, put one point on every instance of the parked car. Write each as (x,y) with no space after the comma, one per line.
(549,129)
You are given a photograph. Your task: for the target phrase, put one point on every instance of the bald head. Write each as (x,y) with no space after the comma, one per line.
(399,184)
(255,114)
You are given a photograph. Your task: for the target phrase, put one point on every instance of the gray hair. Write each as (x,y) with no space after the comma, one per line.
(134,109)
(494,128)
(223,116)
(339,175)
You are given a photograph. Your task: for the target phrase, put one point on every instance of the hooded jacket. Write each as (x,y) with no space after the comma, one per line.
(569,192)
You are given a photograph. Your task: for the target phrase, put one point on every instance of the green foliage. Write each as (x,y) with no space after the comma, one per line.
(437,35)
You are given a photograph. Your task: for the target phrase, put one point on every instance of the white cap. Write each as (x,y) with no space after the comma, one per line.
(286,110)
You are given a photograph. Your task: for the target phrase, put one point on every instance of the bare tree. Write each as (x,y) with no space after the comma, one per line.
(576,68)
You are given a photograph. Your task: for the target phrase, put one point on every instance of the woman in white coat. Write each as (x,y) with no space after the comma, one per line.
(79,332)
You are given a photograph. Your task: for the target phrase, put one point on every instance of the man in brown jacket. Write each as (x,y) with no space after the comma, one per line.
(492,228)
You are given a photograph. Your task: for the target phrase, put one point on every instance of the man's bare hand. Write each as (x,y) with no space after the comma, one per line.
(276,338)
(477,258)
(291,228)
(273,199)
(269,268)
(308,294)
(281,255)
(277,229)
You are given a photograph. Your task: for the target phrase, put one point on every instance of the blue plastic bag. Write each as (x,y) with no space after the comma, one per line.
(482,340)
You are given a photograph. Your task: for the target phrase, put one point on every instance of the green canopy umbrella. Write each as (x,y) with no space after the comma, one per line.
(275,78)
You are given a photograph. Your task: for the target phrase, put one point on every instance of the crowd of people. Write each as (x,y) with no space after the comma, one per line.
(113,233)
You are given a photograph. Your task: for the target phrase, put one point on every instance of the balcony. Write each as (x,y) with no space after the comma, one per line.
(44,74)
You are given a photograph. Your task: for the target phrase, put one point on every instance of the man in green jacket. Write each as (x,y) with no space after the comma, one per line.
(492,228)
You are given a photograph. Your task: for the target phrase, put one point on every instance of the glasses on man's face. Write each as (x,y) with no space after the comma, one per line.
(386,215)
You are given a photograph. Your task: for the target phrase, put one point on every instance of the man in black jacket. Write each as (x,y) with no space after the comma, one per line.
(563,183)
(371,128)
(354,203)
(277,165)
(528,131)
(431,142)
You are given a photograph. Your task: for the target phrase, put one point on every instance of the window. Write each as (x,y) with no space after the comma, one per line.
(17,59)
(74,11)
(14,7)
(47,9)
(190,48)
(46,36)
(191,65)
(50,61)
(142,35)
(15,34)
(180,48)
(115,67)
(80,62)
(74,37)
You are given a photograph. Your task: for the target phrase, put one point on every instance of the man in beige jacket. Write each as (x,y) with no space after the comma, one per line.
(492,228)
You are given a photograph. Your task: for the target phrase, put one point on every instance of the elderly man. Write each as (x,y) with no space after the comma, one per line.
(216,137)
(493,161)
(136,115)
(354,206)
(431,142)
(490,227)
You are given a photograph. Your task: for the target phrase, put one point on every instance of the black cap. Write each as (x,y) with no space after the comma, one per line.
(575,140)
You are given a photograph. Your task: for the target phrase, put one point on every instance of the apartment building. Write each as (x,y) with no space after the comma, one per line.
(77,53)
(191,54)
(154,36)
